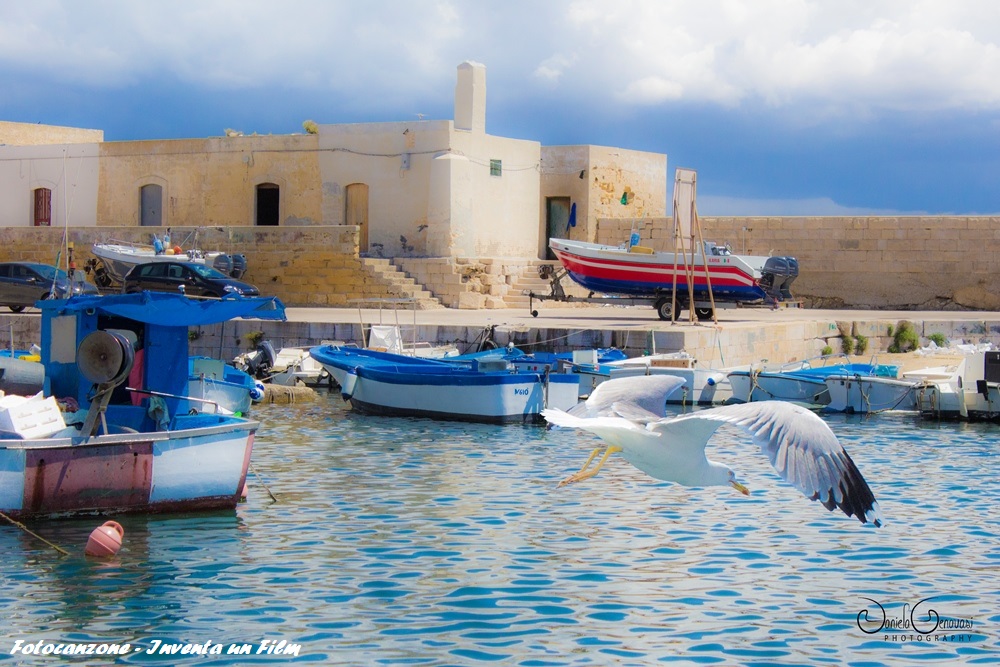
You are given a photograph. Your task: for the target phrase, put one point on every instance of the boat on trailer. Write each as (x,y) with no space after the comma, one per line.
(112,432)
(668,281)
(697,275)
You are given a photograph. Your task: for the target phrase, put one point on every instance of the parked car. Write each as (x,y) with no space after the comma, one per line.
(22,284)
(189,278)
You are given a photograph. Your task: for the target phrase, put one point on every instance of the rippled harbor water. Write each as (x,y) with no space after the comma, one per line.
(412,542)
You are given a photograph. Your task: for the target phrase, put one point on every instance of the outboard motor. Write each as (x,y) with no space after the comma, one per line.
(777,276)
(223,263)
(259,362)
(239,266)
(793,273)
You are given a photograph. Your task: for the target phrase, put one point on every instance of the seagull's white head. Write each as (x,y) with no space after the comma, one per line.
(722,475)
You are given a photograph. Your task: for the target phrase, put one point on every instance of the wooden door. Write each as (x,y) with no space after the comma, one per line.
(356,212)
(556,221)
(42,213)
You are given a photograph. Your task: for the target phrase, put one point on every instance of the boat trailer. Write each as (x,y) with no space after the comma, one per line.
(660,299)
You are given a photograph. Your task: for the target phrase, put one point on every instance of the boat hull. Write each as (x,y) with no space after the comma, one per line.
(749,386)
(863,395)
(196,468)
(386,384)
(701,386)
(502,399)
(612,270)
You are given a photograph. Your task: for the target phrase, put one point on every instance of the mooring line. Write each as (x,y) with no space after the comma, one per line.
(35,535)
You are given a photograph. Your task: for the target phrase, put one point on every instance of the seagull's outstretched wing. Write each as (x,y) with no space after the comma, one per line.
(609,428)
(803,450)
(639,398)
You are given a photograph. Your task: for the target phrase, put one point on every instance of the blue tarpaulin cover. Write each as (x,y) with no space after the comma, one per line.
(168,309)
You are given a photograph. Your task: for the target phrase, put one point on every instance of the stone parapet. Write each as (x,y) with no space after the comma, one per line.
(906,262)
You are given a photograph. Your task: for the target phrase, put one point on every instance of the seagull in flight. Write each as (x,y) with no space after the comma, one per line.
(630,415)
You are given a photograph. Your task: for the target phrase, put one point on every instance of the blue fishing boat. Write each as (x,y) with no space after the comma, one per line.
(111,432)
(486,388)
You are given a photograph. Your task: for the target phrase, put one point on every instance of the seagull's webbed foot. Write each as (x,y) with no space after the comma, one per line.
(583,473)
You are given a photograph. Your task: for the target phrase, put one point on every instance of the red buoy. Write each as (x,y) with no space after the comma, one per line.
(105,540)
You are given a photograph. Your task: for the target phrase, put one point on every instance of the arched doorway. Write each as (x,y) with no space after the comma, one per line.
(356,212)
(268,201)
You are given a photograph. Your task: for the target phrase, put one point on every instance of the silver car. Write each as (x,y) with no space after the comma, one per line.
(24,283)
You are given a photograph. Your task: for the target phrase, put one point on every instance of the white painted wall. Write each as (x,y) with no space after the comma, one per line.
(444,203)
(70,171)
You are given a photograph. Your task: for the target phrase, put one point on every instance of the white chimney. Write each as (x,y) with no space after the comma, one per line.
(470,97)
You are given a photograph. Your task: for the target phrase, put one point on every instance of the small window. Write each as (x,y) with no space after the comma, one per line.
(496,167)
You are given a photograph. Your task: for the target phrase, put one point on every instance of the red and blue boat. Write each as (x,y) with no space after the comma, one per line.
(711,273)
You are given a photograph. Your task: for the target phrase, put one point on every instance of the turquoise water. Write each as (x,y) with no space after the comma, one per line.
(411,542)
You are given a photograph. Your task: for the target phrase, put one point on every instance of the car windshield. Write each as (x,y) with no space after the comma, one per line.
(49,272)
(207,272)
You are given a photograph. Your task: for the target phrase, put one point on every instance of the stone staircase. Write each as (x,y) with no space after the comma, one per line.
(398,283)
(528,280)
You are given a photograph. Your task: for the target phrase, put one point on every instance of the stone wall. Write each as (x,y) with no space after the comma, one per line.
(932,262)
(34,134)
(303,266)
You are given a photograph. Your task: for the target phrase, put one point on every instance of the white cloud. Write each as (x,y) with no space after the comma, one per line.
(849,55)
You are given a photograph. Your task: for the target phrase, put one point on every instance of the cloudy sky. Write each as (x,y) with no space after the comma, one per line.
(784,107)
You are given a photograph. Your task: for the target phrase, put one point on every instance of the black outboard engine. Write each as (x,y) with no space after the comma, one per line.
(239,266)
(223,263)
(777,277)
(259,362)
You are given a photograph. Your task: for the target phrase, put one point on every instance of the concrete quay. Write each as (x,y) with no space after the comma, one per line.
(741,336)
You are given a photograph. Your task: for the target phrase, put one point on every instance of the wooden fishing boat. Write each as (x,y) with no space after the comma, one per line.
(123,440)
(490,389)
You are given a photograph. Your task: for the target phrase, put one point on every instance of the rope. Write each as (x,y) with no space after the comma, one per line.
(866,396)
(259,479)
(35,535)
(754,385)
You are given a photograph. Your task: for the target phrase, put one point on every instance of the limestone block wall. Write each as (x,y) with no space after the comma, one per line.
(303,266)
(34,134)
(918,262)
(463,282)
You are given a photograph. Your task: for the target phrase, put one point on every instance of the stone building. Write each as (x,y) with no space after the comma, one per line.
(424,188)
(438,211)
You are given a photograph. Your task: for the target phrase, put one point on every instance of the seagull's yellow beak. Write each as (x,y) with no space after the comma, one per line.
(739,487)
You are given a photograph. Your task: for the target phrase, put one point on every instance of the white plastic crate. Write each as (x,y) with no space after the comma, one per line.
(31,417)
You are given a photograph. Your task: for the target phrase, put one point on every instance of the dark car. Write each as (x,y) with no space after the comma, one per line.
(22,284)
(189,278)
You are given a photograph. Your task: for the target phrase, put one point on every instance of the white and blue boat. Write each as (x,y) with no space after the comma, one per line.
(486,388)
(215,386)
(799,382)
(111,431)
(702,386)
